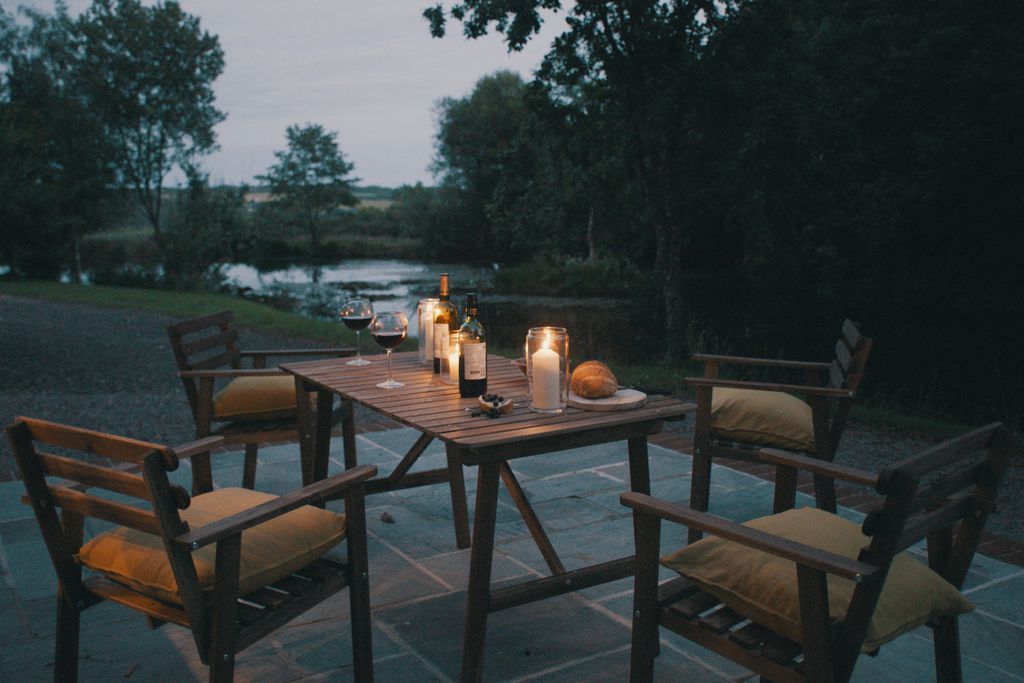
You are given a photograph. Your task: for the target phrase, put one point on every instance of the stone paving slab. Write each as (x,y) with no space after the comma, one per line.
(418,581)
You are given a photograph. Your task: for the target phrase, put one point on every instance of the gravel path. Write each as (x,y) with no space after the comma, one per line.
(113,370)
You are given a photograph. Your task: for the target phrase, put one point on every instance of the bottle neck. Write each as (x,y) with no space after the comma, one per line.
(444,286)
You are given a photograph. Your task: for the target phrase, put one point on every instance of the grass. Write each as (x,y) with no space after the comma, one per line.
(122,234)
(263,318)
(248,314)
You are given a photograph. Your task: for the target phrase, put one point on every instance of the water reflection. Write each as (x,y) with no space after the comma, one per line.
(599,328)
(319,290)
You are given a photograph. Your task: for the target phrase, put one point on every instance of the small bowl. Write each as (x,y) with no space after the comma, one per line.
(519,363)
(504,406)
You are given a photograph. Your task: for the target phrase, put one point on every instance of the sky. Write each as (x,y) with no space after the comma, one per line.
(365,69)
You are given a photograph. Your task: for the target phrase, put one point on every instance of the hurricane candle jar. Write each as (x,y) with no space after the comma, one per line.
(425,330)
(547,368)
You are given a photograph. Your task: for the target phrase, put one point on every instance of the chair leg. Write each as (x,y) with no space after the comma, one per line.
(359,586)
(249,469)
(645,643)
(700,478)
(225,610)
(946,636)
(825,493)
(700,487)
(65,666)
(202,475)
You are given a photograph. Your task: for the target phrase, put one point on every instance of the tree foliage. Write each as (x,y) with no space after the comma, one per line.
(310,179)
(204,225)
(780,166)
(55,161)
(149,73)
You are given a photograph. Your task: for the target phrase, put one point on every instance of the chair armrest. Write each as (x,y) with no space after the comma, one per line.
(234,372)
(340,351)
(187,450)
(811,390)
(816,466)
(801,553)
(765,362)
(317,492)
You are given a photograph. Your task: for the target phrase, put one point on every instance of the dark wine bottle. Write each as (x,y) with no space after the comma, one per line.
(472,353)
(446,321)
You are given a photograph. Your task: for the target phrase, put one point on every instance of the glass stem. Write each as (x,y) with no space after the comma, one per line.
(389,366)
(359,353)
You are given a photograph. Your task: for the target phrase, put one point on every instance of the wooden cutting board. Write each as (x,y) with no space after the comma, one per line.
(623,399)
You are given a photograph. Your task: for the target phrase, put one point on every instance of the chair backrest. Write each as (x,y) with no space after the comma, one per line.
(926,495)
(852,351)
(68,481)
(204,343)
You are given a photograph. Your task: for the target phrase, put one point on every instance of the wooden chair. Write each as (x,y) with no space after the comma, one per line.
(194,575)
(735,419)
(943,495)
(255,405)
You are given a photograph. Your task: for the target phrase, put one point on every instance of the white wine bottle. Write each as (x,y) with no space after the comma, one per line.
(472,353)
(446,321)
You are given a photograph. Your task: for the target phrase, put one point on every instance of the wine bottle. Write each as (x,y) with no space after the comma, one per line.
(446,321)
(472,353)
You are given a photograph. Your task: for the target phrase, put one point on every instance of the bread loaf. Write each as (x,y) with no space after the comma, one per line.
(593,379)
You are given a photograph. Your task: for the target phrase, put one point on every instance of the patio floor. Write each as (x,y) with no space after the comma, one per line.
(418,582)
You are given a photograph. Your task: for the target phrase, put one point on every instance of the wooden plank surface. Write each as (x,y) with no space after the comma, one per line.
(428,404)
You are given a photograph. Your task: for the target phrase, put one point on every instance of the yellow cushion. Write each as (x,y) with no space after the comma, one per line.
(763,587)
(768,418)
(270,551)
(256,398)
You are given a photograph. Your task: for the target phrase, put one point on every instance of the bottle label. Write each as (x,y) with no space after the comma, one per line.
(475,358)
(441,339)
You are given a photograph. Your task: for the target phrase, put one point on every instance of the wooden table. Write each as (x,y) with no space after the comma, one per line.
(435,409)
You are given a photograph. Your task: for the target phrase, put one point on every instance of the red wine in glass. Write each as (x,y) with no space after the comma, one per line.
(389,330)
(357,314)
(357,322)
(389,340)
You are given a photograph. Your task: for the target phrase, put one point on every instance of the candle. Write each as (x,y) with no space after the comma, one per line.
(427,310)
(453,365)
(428,329)
(546,380)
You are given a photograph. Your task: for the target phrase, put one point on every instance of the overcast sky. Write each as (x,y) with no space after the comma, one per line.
(367,69)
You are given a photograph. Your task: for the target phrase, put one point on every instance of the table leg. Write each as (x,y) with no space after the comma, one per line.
(304,422)
(322,440)
(460,508)
(639,469)
(540,537)
(348,434)
(479,592)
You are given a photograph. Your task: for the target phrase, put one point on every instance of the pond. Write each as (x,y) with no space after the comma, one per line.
(599,328)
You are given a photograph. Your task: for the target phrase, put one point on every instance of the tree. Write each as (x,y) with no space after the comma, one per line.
(478,148)
(310,179)
(636,63)
(55,160)
(202,227)
(149,76)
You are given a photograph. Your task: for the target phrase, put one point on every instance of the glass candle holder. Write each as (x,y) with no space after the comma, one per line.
(547,368)
(425,330)
(450,364)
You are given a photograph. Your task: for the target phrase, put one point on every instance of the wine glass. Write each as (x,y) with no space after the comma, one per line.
(389,330)
(357,314)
